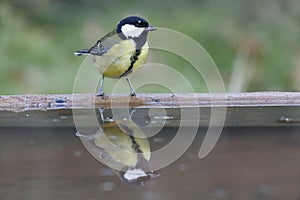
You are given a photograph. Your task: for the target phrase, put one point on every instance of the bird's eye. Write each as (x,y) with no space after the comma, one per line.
(140,23)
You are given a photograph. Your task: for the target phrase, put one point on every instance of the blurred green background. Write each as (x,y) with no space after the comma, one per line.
(255,44)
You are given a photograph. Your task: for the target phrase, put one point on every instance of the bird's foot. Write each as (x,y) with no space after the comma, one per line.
(132,94)
(100,94)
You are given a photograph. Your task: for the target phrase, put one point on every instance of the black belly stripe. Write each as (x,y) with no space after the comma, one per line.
(133,59)
(135,146)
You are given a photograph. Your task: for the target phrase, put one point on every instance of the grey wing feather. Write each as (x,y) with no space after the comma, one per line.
(105,43)
(102,45)
(98,49)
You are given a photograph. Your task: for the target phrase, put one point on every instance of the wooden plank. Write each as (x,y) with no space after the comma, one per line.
(20,103)
(244,109)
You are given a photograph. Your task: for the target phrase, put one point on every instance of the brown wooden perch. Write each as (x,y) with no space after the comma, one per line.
(19,103)
(242,109)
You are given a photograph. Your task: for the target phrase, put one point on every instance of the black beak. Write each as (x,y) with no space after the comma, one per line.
(153,174)
(150,28)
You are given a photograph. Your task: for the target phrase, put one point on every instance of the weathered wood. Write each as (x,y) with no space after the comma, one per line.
(19,103)
(244,109)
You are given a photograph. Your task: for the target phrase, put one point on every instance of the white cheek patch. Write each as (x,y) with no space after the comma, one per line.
(133,174)
(131,31)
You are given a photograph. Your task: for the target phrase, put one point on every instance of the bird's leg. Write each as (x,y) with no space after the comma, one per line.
(131,112)
(132,92)
(101,112)
(101,93)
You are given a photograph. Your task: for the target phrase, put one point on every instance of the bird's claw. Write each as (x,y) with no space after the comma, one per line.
(132,94)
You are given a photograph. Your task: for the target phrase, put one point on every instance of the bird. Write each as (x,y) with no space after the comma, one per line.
(121,52)
(123,147)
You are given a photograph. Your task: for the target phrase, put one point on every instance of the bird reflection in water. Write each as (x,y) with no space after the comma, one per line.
(122,146)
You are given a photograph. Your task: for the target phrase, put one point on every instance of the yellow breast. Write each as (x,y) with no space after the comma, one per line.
(117,60)
(119,146)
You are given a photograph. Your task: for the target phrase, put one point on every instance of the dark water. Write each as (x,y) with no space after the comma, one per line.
(246,163)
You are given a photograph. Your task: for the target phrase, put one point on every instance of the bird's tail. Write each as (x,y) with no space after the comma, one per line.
(82,52)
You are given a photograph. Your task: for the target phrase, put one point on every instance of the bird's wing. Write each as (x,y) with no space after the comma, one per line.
(105,43)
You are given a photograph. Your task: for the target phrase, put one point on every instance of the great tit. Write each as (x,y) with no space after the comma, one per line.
(124,148)
(121,52)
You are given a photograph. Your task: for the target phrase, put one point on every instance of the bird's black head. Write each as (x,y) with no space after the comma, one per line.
(135,21)
(133,27)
